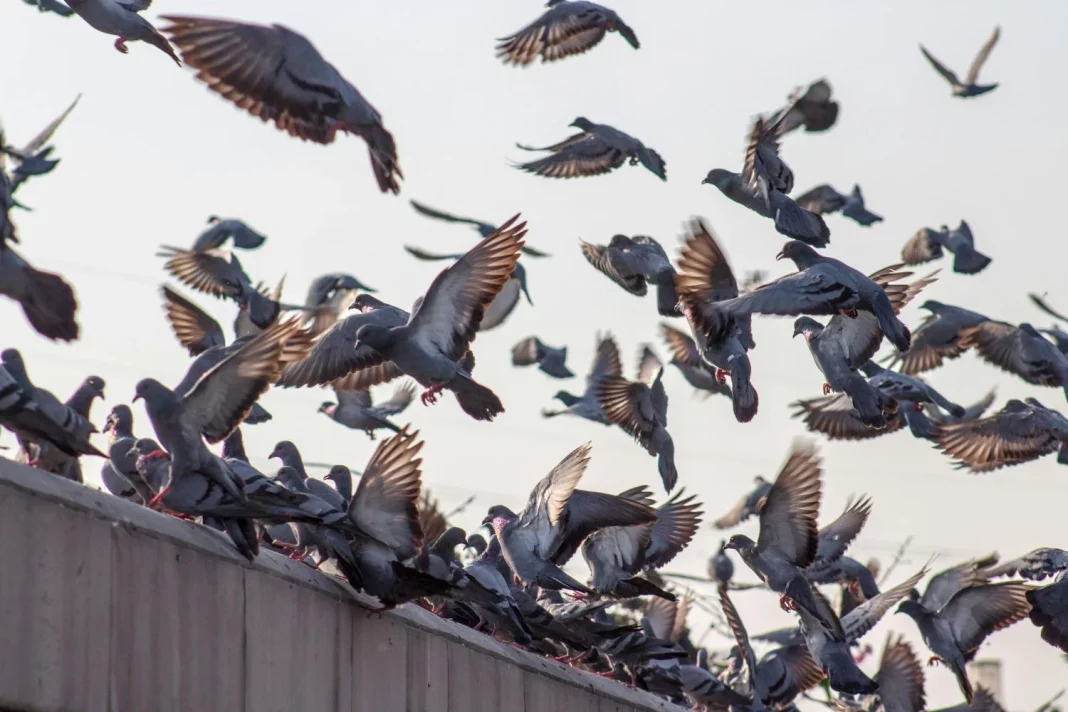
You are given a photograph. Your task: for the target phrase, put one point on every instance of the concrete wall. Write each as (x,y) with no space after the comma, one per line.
(108,606)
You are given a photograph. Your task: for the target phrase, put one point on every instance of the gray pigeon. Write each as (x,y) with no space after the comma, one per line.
(54,6)
(556,520)
(789,538)
(1019,432)
(567,28)
(686,358)
(430,346)
(813,108)
(616,555)
(937,339)
(35,157)
(328,543)
(81,402)
(286,452)
(484,229)
(1020,350)
(823,200)
(355,409)
(969,87)
(954,631)
(223,229)
(120,469)
(639,408)
(831,652)
(902,387)
(927,244)
(1049,611)
(720,566)
(329,295)
(705,278)
(1035,565)
(276,74)
(633,263)
(749,505)
(606,364)
(599,149)
(341,476)
(122,19)
(790,219)
(550,360)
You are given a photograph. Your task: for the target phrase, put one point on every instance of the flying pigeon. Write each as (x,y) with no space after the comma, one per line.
(831,652)
(813,109)
(276,74)
(686,357)
(1020,350)
(749,505)
(567,28)
(35,157)
(969,87)
(1019,432)
(122,19)
(720,566)
(355,409)
(484,229)
(1036,565)
(550,360)
(606,364)
(927,244)
(633,263)
(223,229)
(823,200)
(54,6)
(937,339)
(972,412)
(599,149)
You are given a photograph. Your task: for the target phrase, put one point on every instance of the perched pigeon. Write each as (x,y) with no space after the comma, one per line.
(927,244)
(223,229)
(938,338)
(633,263)
(1049,611)
(639,408)
(686,357)
(789,540)
(823,200)
(705,278)
(557,519)
(599,149)
(1019,432)
(54,6)
(355,409)
(113,17)
(35,157)
(969,87)
(1020,350)
(277,75)
(954,631)
(749,505)
(568,27)
(289,455)
(120,469)
(550,360)
(902,387)
(814,109)
(606,364)
(616,555)
(484,229)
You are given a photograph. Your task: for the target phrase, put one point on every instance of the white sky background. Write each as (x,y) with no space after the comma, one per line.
(149,153)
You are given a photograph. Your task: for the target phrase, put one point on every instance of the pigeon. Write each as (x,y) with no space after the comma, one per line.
(216,402)
(484,229)
(835,538)
(823,200)
(567,28)
(720,566)
(47,299)
(937,339)
(616,555)
(927,244)
(1040,302)
(824,286)
(328,296)
(790,219)
(122,19)
(286,452)
(276,74)
(633,263)
(486,574)
(686,358)
(223,229)
(550,360)
(34,158)
(1049,611)
(355,409)
(506,300)
(749,505)
(831,652)
(1020,350)
(429,347)
(954,631)
(900,677)
(120,469)
(638,651)
(80,402)
(1020,432)
(599,149)
(788,540)
(341,476)
(639,408)
(902,387)
(54,6)
(606,364)
(972,412)
(556,520)
(328,543)
(1035,565)
(705,278)
(969,87)
(812,109)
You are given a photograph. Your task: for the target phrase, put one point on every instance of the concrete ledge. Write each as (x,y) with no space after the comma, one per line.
(106,605)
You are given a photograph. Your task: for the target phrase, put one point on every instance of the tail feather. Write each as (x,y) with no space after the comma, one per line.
(628,35)
(243,533)
(962,679)
(891,326)
(554,578)
(477,401)
(744,398)
(868,402)
(158,40)
(666,461)
(794,221)
(920,425)
(645,587)
(851,680)
(383,152)
(49,305)
(667,301)
(969,261)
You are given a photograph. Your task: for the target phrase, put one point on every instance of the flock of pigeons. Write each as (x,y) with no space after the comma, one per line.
(385,534)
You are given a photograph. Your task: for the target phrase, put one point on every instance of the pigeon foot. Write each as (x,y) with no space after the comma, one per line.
(155,501)
(430,395)
(786,603)
(935,660)
(851,312)
(721,376)
(827,389)
(918,407)
(120,44)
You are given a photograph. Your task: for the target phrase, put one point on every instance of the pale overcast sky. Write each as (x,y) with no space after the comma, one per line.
(149,153)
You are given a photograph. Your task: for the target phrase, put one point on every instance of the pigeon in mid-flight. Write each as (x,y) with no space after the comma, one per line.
(599,149)
(823,200)
(568,27)
(550,360)
(123,19)
(927,244)
(483,228)
(813,108)
(970,86)
(634,263)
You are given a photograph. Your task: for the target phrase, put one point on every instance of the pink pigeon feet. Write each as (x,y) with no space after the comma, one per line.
(827,389)
(158,499)
(430,395)
(721,377)
(787,603)
(935,660)
(120,44)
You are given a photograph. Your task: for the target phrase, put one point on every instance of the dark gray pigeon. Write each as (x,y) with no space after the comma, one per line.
(54,6)
(969,87)
(639,408)
(223,229)
(749,505)
(720,566)
(356,410)
(927,244)
(329,295)
(35,157)
(831,652)
(567,28)
(80,402)
(704,279)
(541,539)
(276,74)
(120,469)
(606,364)
(902,387)
(599,149)
(823,200)
(789,538)
(812,108)
(1049,611)
(1019,432)
(633,263)
(550,360)
(937,339)
(288,454)
(686,357)
(431,345)
(1020,350)
(123,20)
(484,229)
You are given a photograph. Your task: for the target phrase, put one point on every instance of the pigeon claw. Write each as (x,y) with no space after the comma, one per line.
(917,406)
(786,603)
(120,44)
(827,389)
(155,501)
(851,312)
(721,376)
(935,660)
(430,395)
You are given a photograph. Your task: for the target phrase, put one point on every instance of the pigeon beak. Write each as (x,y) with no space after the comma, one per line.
(137,397)
(780,256)
(706,180)
(132,452)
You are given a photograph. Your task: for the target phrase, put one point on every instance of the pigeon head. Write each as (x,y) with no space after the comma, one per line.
(913,609)
(741,543)
(566,398)
(808,326)
(582,123)
(119,420)
(289,478)
(155,394)
(719,177)
(931,305)
(364,302)
(620,242)
(95,384)
(338,473)
(287,452)
(144,447)
(234,446)
(497,516)
(212,219)
(327,407)
(11,357)
(478,543)
(450,539)
(374,336)
(802,255)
